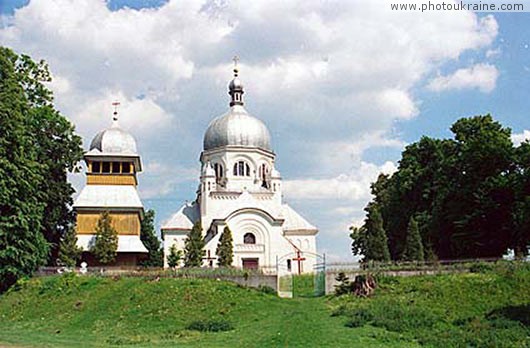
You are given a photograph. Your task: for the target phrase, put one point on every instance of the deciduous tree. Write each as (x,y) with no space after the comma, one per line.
(23,247)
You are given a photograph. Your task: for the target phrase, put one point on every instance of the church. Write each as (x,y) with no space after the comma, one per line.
(112,164)
(241,188)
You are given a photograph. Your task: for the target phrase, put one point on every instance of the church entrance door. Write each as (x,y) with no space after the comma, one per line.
(250,263)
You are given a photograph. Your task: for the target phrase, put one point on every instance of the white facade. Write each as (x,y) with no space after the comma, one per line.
(241,188)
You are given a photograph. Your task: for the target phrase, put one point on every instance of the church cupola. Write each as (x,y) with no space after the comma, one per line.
(112,157)
(235,87)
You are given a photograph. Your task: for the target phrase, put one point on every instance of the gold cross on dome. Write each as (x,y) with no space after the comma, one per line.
(236,60)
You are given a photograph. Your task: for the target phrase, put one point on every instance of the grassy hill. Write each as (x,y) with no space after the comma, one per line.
(64,311)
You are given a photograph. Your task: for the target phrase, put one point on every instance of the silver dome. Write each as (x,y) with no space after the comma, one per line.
(237,128)
(114,140)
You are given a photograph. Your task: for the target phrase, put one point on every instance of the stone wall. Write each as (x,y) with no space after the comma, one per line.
(332,274)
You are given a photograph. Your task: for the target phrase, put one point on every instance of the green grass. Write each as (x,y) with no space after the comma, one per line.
(485,309)
(98,312)
(488,308)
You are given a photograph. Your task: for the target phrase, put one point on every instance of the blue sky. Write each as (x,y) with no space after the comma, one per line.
(342,86)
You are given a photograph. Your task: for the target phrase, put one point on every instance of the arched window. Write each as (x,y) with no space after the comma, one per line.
(264,175)
(249,238)
(241,168)
(218,168)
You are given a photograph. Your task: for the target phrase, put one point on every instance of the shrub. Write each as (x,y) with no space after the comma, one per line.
(210,326)
(266,289)
(480,267)
(344,284)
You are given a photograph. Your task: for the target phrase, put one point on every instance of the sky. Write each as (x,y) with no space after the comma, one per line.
(343,86)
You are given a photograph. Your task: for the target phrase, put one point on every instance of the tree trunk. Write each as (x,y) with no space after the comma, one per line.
(363,285)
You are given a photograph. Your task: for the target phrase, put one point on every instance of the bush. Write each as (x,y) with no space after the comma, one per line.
(344,286)
(210,326)
(266,289)
(480,267)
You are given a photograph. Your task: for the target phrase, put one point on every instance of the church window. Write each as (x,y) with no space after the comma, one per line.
(115,167)
(241,169)
(289,265)
(126,167)
(218,168)
(264,175)
(249,238)
(105,167)
(96,167)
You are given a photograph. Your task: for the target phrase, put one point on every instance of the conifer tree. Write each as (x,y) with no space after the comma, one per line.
(377,248)
(174,257)
(370,240)
(413,246)
(106,245)
(155,258)
(194,247)
(69,252)
(225,249)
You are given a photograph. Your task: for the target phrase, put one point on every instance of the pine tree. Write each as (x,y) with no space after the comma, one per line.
(155,258)
(225,252)
(370,240)
(194,247)
(69,252)
(413,246)
(376,241)
(106,244)
(174,257)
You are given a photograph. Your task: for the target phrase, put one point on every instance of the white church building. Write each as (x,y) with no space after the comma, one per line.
(241,188)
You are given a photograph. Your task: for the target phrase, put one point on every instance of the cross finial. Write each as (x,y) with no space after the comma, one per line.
(115,104)
(236,61)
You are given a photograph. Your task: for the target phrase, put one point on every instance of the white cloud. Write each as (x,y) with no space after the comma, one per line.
(493,52)
(332,75)
(354,186)
(480,76)
(518,138)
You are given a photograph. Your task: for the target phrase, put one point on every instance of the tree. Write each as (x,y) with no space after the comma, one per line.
(58,150)
(174,257)
(470,194)
(370,240)
(194,247)
(155,258)
(69,252)
(413,246)
(344,286)
(225,247)
(23,247)
(106,244)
